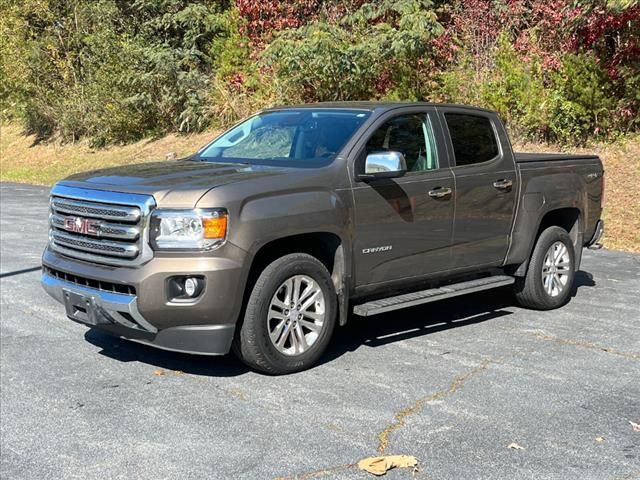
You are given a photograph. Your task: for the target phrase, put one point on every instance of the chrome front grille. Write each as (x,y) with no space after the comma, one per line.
(102,247)
(98,226)
(93,210)
(107,230)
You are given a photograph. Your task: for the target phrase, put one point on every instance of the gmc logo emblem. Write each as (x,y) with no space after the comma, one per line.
(85,226)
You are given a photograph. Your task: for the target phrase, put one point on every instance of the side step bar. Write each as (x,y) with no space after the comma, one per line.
(431,295)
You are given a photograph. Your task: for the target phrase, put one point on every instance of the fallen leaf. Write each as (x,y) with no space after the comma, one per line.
(635,426)
(158,372)
(381,465)
(515,446)
(599,439)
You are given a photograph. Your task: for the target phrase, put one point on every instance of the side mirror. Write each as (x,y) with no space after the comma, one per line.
(384,165)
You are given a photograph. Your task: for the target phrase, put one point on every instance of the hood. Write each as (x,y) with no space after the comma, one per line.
(179,184)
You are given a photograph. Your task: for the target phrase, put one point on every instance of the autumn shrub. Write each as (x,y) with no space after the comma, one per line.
(379,50)
(108,70)
(581,100)
(241,85)
(113,71)
(558,71)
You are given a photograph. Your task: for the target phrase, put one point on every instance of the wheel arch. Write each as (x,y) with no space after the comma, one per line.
(568,218)
(328,247)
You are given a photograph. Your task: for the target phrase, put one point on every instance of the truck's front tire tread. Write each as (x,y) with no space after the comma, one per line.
(252,343)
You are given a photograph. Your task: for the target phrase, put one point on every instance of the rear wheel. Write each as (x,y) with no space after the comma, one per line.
(289,317)
(549,280)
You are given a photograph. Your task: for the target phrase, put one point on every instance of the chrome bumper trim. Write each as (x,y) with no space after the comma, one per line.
(596,241)
(109,307)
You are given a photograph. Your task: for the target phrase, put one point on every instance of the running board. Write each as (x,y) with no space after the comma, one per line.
(432,295)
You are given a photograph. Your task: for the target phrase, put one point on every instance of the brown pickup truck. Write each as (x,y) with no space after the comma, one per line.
(271,235)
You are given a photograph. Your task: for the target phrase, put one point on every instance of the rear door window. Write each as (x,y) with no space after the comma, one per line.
(473,138)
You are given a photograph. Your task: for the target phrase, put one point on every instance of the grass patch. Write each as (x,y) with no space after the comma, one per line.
(44,164)
(23,161)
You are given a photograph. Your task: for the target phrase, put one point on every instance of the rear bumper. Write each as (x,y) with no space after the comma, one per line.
(118,314)
(596,241)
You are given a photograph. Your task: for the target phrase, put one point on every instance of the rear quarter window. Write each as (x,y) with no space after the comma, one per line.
(473,138)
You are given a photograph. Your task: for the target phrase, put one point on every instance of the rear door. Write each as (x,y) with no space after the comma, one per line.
(485,178)
(403,226)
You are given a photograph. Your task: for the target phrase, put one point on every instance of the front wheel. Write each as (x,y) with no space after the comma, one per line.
(549,279)
(289,317)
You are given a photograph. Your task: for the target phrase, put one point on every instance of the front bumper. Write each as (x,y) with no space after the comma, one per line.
(219,303)
(96,307)
(117,314)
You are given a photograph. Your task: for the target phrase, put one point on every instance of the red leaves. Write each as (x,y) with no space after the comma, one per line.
(384,82)
(264,16)
(546,29)
(613,35)
(236,82)
(601,22)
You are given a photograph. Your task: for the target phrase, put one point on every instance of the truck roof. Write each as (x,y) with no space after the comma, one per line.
(372,105)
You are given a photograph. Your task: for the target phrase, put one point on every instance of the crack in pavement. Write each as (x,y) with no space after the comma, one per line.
(399,421)
(583,344)
(401,416)
(318,473)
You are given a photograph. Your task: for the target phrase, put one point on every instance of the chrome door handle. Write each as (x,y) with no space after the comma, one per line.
(439,192)
(503,183)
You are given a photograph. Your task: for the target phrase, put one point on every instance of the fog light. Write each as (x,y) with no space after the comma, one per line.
(190,286)
(185,289)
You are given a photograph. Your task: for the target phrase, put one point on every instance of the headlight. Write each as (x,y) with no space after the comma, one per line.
(199,229)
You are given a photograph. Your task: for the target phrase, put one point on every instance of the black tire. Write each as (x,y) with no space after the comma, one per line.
(253,344)
(529,290)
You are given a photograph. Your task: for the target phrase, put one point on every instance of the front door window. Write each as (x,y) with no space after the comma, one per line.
(412,135)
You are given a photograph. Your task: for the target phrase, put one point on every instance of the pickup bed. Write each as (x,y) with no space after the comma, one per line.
(270,236)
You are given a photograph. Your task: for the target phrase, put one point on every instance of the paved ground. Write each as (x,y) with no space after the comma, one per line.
(453,383)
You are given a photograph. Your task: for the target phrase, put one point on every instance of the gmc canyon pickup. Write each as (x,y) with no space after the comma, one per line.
(275,232)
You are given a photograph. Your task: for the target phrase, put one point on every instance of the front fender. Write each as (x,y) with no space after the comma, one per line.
(264,219)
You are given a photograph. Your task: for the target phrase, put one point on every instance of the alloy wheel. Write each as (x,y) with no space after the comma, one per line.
(556,269)
(296,315)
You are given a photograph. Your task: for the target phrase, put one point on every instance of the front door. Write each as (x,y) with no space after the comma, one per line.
(403,226)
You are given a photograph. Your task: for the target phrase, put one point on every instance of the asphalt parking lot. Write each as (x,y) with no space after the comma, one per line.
(453,384)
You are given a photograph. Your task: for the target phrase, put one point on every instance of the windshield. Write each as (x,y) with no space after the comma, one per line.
(297,138)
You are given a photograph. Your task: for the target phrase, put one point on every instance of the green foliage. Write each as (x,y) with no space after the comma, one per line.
(367,54)
(572,103)
(517,91)
(581,100)
(175,60)
(324,62)
(114,71)
(240,85)
(514,88)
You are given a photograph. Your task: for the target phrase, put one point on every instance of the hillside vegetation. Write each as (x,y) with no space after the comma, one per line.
(116,71)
